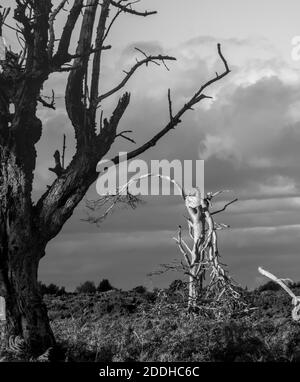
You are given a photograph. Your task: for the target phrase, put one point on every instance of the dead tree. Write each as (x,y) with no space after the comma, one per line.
(203,256)
(26,227)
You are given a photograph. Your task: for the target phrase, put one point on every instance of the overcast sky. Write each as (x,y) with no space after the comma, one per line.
(248,135)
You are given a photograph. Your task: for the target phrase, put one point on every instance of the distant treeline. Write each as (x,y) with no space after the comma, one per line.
(86,287)
(105,286)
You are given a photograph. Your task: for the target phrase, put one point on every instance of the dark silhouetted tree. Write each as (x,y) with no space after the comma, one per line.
(25,226)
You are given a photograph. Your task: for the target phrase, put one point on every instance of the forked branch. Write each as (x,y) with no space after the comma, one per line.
(51,104)
(128,9)
(176,119)
(148,59)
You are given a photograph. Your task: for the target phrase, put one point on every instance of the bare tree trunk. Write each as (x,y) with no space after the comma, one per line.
(192,298)
(204,254)
(197,233)
(26,314)
(22,245)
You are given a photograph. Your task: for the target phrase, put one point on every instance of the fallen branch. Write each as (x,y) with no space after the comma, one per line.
(295,299)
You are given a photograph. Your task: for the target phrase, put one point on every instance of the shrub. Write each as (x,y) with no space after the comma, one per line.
(270,285)
(51,289)
(177,285)
(122,326)
(104,286)
(140,289)
(86,287)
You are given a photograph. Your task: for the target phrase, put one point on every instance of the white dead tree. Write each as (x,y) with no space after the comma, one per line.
(282,283)
(203,256)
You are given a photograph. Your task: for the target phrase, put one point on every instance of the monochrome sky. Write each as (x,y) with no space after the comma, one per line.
(248,135)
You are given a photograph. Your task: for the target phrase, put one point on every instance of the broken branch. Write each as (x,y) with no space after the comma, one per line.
(58,169)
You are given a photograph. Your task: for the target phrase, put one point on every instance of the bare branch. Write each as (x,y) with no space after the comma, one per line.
(97,57)
(34,18)
(128,199)
(125,189)
(176,119)
(179,241)
(40,27)
(52,17)
(63,152)
(58,169)
(109,128)
(127,9)
(3,16)
(121,134)
(224,208)
(64,43)
(12,28)
(111,24)
(213,80)
(145,61)
(86,54)
(170,105)
(75,91)
(51,104)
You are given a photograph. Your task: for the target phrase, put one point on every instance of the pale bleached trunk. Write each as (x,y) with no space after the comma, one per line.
(196,271)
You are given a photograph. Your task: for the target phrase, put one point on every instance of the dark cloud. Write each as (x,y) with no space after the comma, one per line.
(138,253)
(249,137)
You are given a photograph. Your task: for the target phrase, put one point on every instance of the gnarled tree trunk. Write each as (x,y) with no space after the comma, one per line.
(26,314)
(21,247)
(25,227)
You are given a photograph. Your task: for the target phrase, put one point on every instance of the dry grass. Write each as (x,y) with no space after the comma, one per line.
(131,326)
